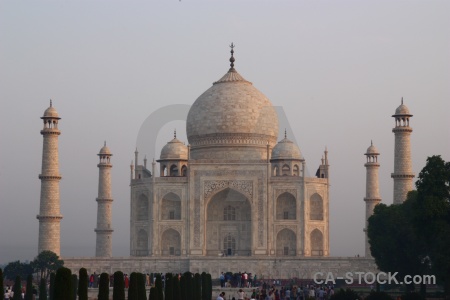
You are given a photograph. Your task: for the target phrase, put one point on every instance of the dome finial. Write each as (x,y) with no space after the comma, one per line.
(50,102)
(175,133)
(285,134)
(104,144)
(371,143)
(232,58)
(402,100)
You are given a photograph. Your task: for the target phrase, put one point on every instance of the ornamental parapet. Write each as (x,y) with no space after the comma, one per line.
(99,230)
(232,139)
(372,199)
(104,165)
(371,164)
(104,200)
(50,177)
(50,131)
(393,175)
(402,129)
(45,217)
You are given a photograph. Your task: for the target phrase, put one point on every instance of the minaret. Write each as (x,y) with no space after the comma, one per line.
(372,187)
(49,212)
(104,200)
(403,174)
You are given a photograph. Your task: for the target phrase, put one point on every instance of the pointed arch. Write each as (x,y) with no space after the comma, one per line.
(228,212)
(173,170)
(296,170)
(316,207)
(142,243)
(184,170)
(285,170)
(286,207)
(286,243)
(171,207)
(316,239)
(142,208)
(276,171)
(171,243)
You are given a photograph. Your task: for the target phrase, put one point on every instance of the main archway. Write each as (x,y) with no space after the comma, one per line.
(228,224)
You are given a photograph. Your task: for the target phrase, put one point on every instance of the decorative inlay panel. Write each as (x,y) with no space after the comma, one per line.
(244,186)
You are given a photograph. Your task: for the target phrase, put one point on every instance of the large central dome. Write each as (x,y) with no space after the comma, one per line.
(231,120)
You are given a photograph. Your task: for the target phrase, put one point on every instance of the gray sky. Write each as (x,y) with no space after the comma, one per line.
(337,68)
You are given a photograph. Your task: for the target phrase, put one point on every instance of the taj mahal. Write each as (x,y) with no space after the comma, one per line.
(234,197)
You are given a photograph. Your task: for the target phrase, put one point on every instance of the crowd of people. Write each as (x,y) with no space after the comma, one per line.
(9,293)
(282,293)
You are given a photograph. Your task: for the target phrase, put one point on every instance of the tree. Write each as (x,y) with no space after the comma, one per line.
(43,289)
(74,286)
(158,285)
(17,268)
(142,295)
(47,262)
(197,286)
(168,291)
(209,286)
(29,290)
(51,291)
(412,238)
(133,288)
(347,294)
(17,289)
(63,284)
(103,288)
(83,284)
(153,295)
(1,280)
(432,218)
(119,286)
(176,288)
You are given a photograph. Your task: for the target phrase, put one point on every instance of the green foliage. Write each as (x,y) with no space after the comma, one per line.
(142,295)
(413,237)
(209,286)
(168,291)
(46,262)
(176,288)
(83,284)
(183,287)
(74,286)
(197,286)
(29,290)
(52,286)
(119,286)
(347,294)
(204,288)
(153,295)
(17,289)
(413,296)
(43,289)
(133,293)
(378,296)
(1,280)
(158,285)
(17,268)
(103,287)
(63,284)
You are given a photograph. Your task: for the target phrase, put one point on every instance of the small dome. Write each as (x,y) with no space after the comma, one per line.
(105,150)
(372,150)
(174,150)
(50,112)
(286,149)
(402,110)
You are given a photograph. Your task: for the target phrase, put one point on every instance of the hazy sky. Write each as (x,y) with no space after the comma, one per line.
(337,68)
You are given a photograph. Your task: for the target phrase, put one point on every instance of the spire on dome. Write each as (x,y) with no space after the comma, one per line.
(232,57)
(402,100)
(175,133)
(50,102)
(104,144)
(285,134)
